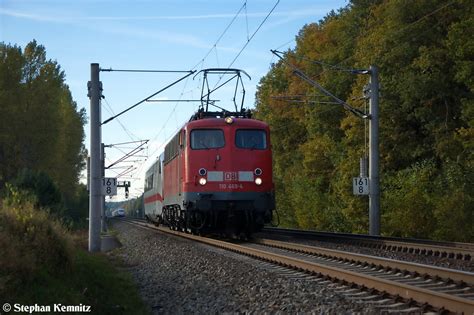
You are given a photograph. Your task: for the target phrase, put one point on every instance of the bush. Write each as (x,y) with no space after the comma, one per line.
(30,240)
(42,187)
(408,201)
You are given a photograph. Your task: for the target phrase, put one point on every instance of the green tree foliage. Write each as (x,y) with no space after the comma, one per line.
(424,51)
(78,207)
(41,128)
(41,187)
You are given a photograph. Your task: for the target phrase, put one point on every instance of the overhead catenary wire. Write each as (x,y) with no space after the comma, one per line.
(214,47)
(148,97)
(111,112)
(244,7)
(143,70)
(246,20)
(178,100)
(140,167)
(129,154)
(125,172)
(396,31)
(303,76)
(127,131)
(220,37)
(168,119)
(121,143)
(254,33)
(285,44)
(322,63)
(358,71)
(249,39)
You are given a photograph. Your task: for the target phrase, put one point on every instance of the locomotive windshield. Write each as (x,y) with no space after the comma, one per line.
(207,139)
(251,139)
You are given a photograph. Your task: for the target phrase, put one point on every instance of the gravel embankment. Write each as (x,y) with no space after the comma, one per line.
(444,262)
(178,276)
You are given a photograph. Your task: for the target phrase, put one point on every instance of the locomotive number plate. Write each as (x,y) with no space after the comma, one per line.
(231,186)
(231,176)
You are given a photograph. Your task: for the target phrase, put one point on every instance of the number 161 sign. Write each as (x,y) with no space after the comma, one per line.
(360,185)
(109,186)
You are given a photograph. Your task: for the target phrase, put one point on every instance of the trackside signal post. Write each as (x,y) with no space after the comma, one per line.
(95,193)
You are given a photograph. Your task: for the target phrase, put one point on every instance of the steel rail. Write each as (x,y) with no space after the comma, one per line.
(436,299)
(415,246)
(445,273)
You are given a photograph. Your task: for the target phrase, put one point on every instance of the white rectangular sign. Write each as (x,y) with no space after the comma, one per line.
(360,185)
(109,186)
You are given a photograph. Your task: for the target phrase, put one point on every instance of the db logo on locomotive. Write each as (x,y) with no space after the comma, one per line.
(230,176)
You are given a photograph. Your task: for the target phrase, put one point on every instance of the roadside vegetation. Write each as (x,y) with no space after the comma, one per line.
(43,207)
(43,263)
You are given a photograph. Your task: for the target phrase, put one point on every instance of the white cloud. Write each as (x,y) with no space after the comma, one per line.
(311,11)
(29,16)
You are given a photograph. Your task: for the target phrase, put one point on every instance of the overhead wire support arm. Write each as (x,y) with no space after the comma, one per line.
(348,107)
(138,70)
(147,98)
(131,153)
(129,142)
(136,150)
(180,101)
(303,76)
(128,170)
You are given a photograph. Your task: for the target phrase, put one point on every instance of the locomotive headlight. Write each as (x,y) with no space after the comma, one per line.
(258,181)
(229,120)
(202,181)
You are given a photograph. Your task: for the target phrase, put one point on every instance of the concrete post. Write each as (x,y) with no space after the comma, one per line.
(374,194)
(102,204)
(95,193)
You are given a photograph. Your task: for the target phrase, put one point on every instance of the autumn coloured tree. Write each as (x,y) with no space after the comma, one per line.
(424,52)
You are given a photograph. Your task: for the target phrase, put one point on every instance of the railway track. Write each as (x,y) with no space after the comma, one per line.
(454,250)
(432,288)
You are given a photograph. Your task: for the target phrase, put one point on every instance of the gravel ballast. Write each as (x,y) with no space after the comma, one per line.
(175,275)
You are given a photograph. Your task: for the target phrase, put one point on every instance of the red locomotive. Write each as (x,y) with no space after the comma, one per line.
(215,175)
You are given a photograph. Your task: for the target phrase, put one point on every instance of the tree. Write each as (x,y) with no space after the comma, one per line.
(424,53)
(41,128)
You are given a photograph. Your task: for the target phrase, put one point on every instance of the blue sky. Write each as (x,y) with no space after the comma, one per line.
(161,34)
